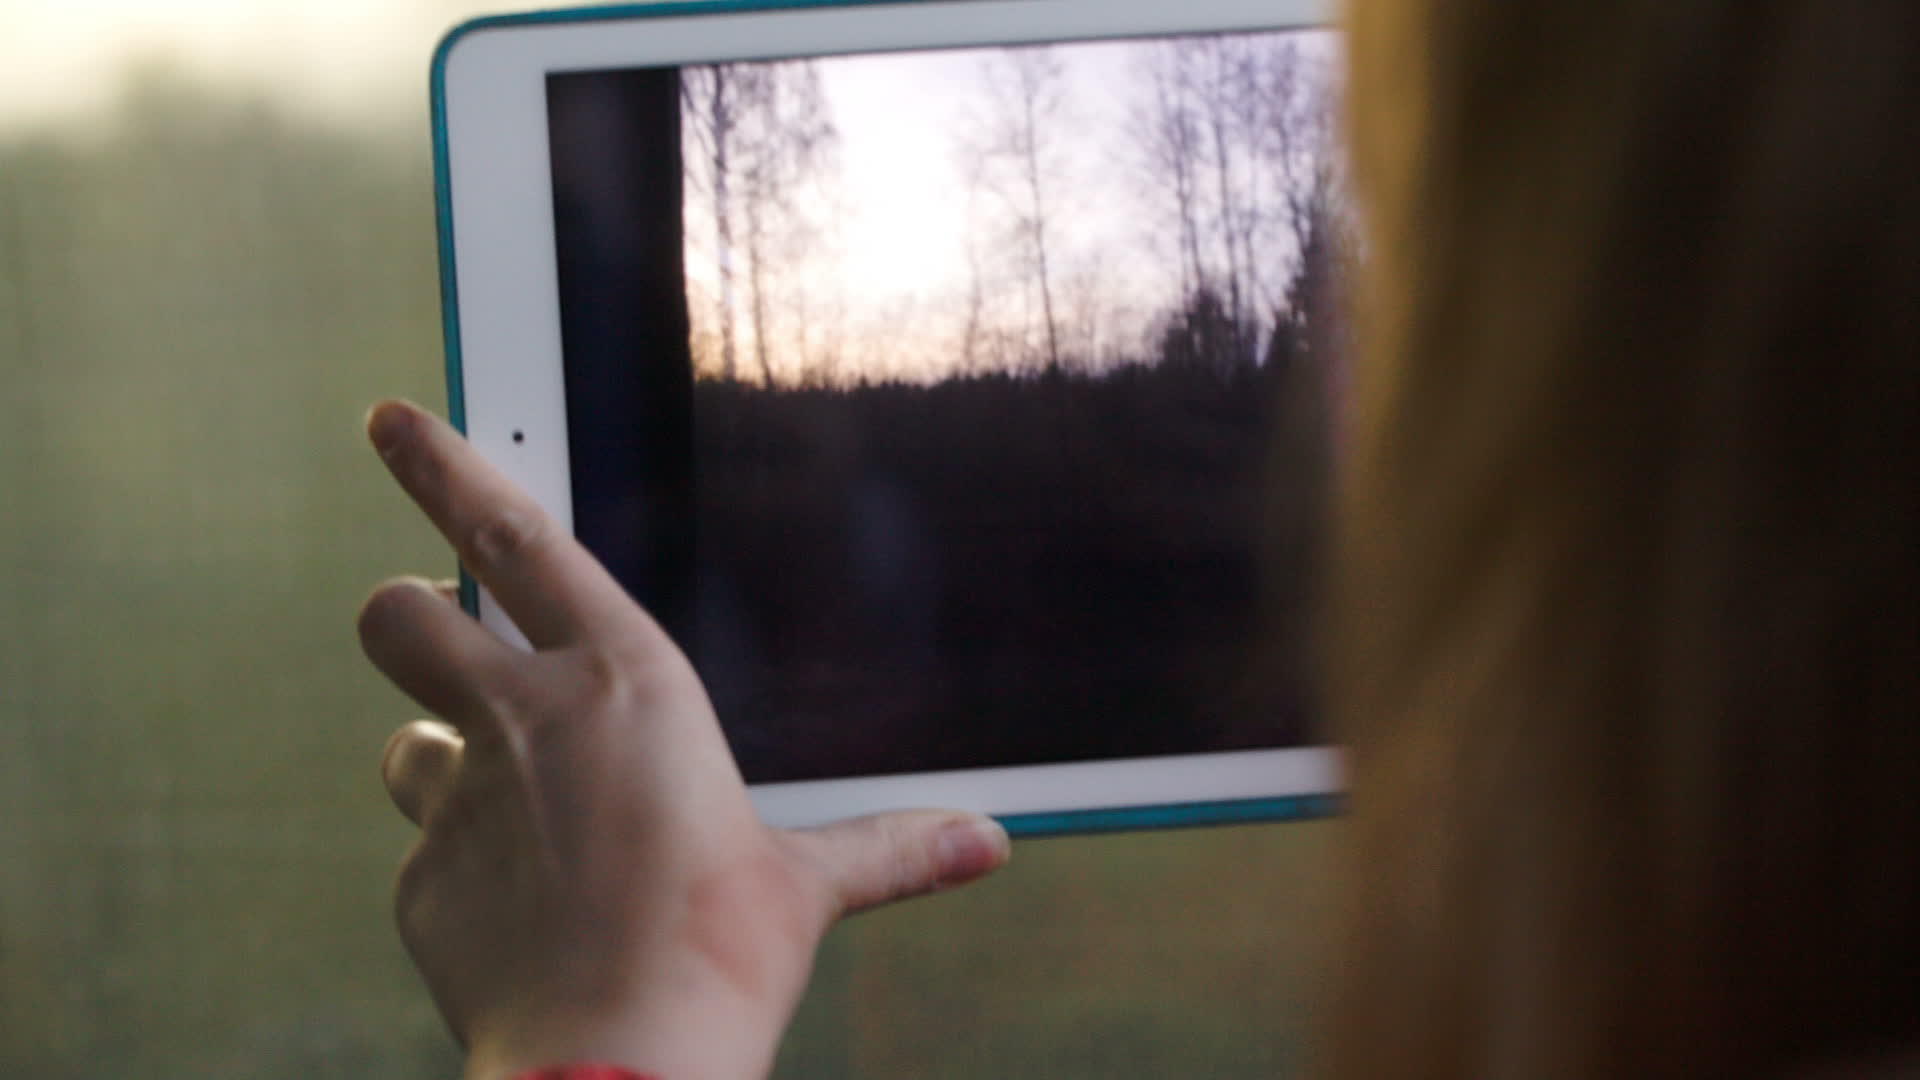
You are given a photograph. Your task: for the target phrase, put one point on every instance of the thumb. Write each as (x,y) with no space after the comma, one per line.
(876,860)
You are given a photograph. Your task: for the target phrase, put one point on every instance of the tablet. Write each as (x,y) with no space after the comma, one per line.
(951,379)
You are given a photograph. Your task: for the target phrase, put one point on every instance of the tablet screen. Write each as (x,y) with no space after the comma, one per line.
(961,408)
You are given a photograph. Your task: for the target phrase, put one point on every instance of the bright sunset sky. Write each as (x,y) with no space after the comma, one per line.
(900,246)
(898,251)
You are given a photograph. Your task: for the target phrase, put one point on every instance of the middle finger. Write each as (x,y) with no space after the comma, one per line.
(555,591)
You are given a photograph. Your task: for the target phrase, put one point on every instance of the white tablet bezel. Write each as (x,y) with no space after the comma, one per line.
(503,325)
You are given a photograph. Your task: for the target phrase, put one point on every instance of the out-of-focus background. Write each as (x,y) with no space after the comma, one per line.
(216,247)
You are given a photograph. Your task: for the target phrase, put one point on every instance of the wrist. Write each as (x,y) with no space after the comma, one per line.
(585,1072)
(692,1038)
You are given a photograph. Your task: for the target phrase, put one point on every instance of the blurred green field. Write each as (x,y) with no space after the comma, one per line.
(196,303)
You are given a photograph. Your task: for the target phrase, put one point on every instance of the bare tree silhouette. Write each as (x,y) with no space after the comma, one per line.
(764,135)
(1019,156)
(1167,135)
(712,117)
(1234,139)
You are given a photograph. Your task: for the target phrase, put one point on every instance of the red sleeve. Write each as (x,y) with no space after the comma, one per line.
(584,1073)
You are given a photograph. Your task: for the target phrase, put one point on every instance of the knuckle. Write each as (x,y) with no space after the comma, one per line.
(890,860)
(819,890)
(604,674)
(601,681)
(505,535)
(913,868)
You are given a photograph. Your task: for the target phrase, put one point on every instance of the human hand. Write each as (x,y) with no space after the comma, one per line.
(591,881)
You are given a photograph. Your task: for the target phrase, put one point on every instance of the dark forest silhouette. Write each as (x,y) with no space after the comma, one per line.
(1010,569)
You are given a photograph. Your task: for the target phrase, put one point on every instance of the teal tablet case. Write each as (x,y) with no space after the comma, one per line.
(1123,819)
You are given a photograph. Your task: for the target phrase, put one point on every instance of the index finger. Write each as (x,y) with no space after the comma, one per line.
(552,588)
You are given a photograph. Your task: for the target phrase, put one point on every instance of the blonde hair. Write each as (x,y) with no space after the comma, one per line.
(1626,618)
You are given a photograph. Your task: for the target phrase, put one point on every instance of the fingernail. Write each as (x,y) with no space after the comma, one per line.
(385,422)
(968,849)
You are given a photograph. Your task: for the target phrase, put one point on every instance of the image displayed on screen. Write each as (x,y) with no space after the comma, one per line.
(972,409)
